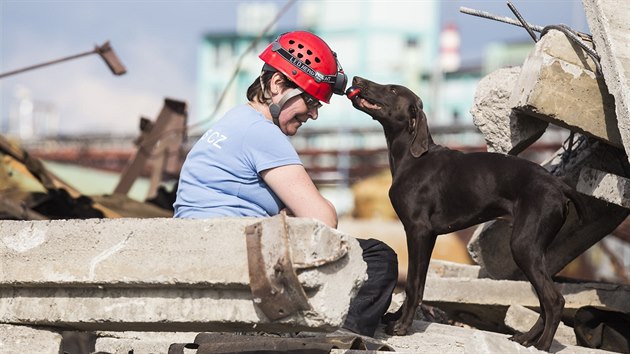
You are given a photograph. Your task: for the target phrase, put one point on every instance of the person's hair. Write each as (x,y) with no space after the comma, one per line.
(257,93)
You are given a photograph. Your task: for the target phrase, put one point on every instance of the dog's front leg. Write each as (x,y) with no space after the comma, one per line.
(419,248)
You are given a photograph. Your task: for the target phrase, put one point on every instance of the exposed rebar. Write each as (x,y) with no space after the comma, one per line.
(522,21)
(512,21)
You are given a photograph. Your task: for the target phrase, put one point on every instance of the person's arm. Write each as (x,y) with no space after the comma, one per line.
(295,188)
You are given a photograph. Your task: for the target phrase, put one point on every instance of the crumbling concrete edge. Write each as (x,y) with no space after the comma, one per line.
(613,70)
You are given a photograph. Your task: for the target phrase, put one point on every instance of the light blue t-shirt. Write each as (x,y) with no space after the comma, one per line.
(221,174)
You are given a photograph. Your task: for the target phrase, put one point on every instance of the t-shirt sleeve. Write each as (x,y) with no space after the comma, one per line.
(266,147)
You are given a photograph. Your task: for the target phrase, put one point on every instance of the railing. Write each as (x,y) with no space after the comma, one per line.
(331,157)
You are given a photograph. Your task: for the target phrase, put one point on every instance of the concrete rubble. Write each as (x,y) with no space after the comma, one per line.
(608,21)
(559,84)
(25,339)
(448,282)
(520,319)
(505,130)
(141,274)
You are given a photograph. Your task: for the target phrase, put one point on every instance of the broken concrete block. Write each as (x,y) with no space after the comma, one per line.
(521,319)
(558,84)
(608,22)
(428,337)
(446,269)
(166,274)
(605,186)
(490,247)
(25,339)
(140,342)
(482,303)
(505,130)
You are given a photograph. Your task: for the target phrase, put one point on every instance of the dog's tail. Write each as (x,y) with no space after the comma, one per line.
(577,199)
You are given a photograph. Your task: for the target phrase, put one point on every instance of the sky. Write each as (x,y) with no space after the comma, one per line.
(157,41)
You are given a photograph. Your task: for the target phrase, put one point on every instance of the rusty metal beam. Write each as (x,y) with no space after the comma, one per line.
(173,114)
(105,51)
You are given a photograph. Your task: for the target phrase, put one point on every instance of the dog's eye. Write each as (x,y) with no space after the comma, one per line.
(413,111)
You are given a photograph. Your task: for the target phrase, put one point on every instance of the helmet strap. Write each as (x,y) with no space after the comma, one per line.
(275,108)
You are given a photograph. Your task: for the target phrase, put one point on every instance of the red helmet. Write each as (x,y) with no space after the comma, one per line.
(308,61)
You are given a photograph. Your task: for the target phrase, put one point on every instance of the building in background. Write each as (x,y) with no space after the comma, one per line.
(373,40)
(29,118)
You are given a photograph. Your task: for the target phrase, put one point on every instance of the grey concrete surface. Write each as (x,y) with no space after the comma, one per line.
(16,339)
(482,303)
(439,338)
(490,248)
(521,319)
(163,274)
(140,342)
(609,23)
(505,130)
(558,84)
(605,186)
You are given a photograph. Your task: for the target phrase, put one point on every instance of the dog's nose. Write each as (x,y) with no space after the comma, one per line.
(352,91)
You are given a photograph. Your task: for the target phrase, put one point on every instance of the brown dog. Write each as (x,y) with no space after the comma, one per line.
(436,191)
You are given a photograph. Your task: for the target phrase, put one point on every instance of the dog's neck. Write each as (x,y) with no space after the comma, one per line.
(398,146)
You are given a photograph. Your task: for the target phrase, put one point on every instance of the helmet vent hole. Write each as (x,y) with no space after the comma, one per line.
(291,41)
(317,60)
(308,62)
(301,46)
(309,52)
(291,50)
(300,55)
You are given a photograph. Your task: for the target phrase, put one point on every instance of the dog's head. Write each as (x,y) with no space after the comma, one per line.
(397,108)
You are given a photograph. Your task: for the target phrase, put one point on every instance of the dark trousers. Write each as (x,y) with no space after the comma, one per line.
(375,295)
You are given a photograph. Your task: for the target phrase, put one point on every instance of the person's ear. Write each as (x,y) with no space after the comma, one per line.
(276,84)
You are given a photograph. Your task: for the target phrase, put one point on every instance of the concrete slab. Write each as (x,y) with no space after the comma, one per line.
(521,319)
(467,297)
(428,337)
(140,342)
(505,130)
(490,248)
(482,303)
(605,186)
(164,274)
(558,84)
(25,339)
(609,23)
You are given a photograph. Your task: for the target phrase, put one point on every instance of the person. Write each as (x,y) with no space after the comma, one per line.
(245,164)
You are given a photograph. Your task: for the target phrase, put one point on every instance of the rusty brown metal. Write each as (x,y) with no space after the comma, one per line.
(272,343)
(275,287)
(111,59)
(18,211)
(105,51)
(170,127)
(50,182)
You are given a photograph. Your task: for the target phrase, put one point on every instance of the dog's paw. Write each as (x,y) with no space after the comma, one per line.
(397,329)
(522,339)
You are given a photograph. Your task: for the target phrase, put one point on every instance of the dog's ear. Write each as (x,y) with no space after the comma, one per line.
(420,134)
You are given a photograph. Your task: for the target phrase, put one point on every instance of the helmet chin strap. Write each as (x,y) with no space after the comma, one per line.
(275,108)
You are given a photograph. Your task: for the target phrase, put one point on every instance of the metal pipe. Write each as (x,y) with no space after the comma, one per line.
(105,51)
